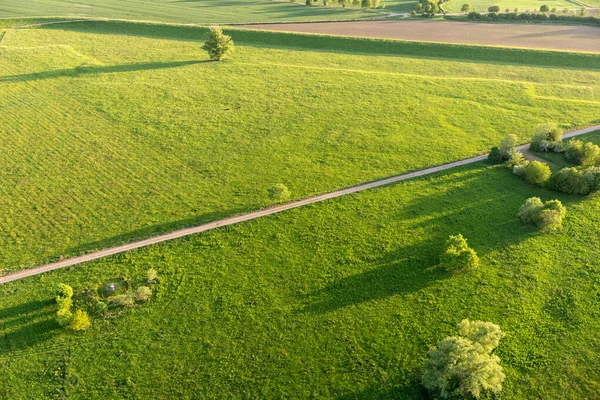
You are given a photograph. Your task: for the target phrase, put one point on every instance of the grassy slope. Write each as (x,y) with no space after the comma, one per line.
(336,300)
(116,131)
(522,5)
(197,11)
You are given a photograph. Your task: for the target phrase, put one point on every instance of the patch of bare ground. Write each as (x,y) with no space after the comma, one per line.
(554,37)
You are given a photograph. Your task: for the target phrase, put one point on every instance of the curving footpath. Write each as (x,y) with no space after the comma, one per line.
(256,214)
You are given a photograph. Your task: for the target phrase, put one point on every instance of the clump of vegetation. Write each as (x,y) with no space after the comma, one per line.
(494,9)
(79,320)
(151,274)
(458,255)
(218,44)
(544,8)
(576,181)
(465,8)
(537,173)
(279,193)
(143,293)
(464,366)
(428,8)
(547,137)
(547,216)
(580,153)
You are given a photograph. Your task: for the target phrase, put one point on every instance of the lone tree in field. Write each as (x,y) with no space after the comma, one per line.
(544,8)
(465,8)
(218,45)
(458,255)
(464,367)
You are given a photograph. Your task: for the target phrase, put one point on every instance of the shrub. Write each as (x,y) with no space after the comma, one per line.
(64,303)
(218,45)
(547,137)
(366,4)
(516,10)
(279,193)
(465,8)
(375,3)
(565,10)
(578,152)
(573,181)
(516,158)
(474,15)
(464,367)
(100,307)
(458,255)
(143,293)
(544,8)
(356,3)
(495,156)
(537,173)
(530,211)
(152,274)
(63,291)
(553,10)
(508,146)
(592,175)
(494,9)
(63,316)
(80,321)
(547,216)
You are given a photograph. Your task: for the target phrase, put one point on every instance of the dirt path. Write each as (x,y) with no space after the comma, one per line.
(254,215)
(555,37)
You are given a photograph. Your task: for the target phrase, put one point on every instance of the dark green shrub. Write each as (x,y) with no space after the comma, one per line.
(495,156)
(465,8)
(572,180)
(544,8)
(494,9)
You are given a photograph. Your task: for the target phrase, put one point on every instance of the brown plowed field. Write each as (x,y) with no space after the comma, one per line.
(559,37)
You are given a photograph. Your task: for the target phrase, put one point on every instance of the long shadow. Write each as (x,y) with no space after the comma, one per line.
(465,202)
(406,270)
(94,70)
(339,44)
(30,333)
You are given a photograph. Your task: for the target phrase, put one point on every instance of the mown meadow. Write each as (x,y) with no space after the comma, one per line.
(335,300)
(116,131)
(191,12)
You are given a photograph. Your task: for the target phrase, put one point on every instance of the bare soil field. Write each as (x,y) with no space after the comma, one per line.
(557,37)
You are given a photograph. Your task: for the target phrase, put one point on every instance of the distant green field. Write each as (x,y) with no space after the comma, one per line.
(195,11)
(522,5)
(335,300)
(120,131)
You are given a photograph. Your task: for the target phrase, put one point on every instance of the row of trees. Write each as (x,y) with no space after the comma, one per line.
(548,138)
(515,16)
(366,4)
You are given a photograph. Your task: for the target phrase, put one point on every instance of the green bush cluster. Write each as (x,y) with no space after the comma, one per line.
(458,255)
(465,367)
(79,320)
(515,16)
(547,216)
(547,137)
(429,8)
(585,154)
(576,181)
(279,193)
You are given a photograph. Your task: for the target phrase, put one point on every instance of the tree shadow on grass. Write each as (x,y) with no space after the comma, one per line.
(405,270)
(95,70)
(479,203)
(26,325)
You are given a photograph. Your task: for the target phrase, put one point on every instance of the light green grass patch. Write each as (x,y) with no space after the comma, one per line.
(111,137)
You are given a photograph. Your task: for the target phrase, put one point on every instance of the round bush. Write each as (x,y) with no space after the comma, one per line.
(537,173)
(279,193)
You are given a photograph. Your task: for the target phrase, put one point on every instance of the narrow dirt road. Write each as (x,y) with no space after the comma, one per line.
(254,215)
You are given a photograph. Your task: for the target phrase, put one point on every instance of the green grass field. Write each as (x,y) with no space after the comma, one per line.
(335,300)
(116,131)
(523,5)
(197,11)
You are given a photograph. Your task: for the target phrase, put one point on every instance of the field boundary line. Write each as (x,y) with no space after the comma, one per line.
(257,214)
